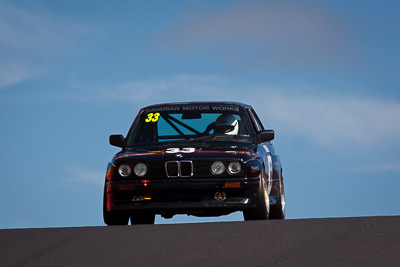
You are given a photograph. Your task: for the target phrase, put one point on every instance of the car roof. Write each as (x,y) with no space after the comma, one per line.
(202,103)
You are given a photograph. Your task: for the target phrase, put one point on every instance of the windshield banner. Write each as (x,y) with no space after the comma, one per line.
(201,108)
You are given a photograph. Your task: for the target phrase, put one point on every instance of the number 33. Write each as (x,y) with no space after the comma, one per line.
(152,117)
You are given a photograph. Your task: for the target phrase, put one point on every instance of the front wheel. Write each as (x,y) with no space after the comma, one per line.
(261,212)
(277,211)
(113,217)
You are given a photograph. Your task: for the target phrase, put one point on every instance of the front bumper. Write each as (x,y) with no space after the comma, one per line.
(182,195)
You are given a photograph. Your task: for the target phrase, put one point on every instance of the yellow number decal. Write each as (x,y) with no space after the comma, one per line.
(149,117)
(152,117)
(155,117)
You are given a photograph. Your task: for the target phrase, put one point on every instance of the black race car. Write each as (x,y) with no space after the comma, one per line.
(200,158)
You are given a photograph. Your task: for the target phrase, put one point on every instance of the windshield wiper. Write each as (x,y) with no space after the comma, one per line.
(202,137)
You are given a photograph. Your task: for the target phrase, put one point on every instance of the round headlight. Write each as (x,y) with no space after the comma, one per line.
(124,170)
(217,168)
(234,167)
(140,169)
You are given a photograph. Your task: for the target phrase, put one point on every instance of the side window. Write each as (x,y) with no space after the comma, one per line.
(255,121)
(258,120)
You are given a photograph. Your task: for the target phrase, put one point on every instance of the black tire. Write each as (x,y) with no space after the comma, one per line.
(143,218)
(277,211)
(113,217)
(261,212)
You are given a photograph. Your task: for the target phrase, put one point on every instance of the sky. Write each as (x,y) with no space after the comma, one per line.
(324,75)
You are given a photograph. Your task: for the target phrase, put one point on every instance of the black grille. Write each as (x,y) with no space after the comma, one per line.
(182,168)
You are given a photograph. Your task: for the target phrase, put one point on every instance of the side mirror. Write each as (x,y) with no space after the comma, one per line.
(117,140)
(265,135)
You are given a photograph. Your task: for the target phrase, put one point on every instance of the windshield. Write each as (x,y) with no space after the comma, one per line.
(189,123)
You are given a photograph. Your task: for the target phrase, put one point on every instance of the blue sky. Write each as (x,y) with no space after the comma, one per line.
(323,74)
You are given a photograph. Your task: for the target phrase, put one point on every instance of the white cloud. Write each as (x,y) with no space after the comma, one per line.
(334,119)
(28,31)
(16,71)
(28,41)
(379,167)
(85,176)
(173,89)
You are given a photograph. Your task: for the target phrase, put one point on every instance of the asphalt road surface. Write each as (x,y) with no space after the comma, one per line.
(367,241)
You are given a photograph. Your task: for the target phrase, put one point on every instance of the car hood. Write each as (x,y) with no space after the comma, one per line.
(186,151)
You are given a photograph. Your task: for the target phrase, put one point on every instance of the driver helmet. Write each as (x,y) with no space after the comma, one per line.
(227,124)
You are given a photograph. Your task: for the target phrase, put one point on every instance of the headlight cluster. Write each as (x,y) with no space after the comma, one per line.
(139,169)
(218,168)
